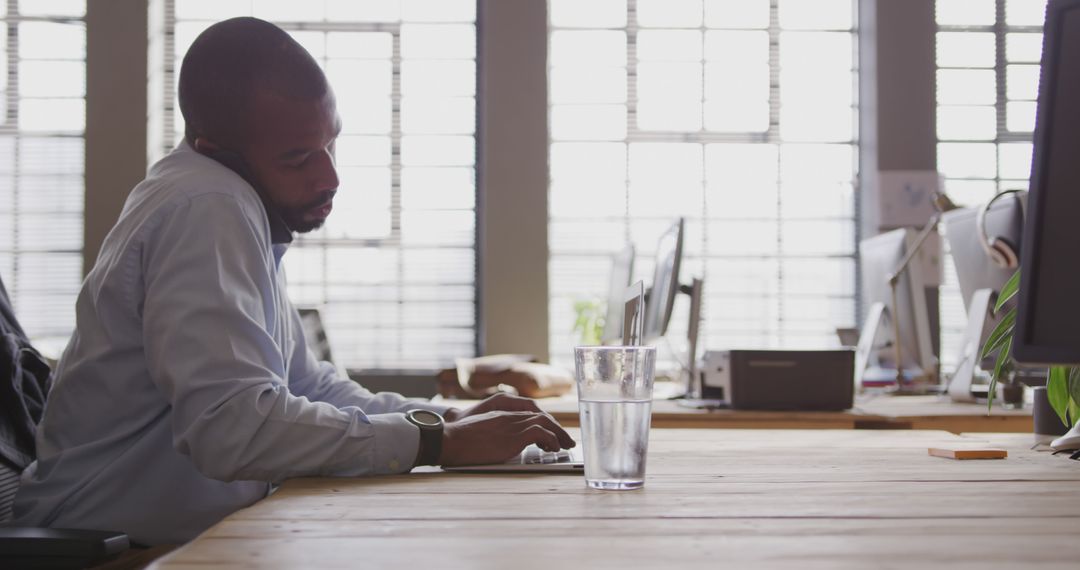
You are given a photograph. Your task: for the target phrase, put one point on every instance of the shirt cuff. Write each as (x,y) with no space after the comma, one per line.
(397,441)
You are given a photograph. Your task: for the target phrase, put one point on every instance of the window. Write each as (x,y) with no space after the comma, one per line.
(394,267)
(988,54)
(738,115)
(42,120)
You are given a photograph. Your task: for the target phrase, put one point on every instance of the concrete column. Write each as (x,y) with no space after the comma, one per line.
(897,97)
(512,174)
(116,72)
(897,106)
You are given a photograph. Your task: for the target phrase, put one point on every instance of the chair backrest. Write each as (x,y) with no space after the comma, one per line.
(25,378)
(9,483)
(315,333)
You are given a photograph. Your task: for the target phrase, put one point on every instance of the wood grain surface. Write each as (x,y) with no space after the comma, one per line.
(712,498)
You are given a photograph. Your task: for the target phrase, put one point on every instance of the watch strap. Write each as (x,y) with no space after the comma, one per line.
(431,437)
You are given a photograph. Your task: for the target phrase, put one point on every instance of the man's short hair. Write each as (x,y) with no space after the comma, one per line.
(231,61)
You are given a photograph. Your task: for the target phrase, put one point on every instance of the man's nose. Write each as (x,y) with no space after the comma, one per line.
(326,173)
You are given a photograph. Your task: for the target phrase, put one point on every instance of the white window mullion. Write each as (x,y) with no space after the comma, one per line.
(747,231)
(42,127)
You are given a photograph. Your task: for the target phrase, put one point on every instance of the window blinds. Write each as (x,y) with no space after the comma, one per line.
(42,120)
(988,54)
(394,267)
(739,115)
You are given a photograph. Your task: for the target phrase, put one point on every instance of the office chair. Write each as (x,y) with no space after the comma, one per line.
(24,384)
(418,385)
(315,333)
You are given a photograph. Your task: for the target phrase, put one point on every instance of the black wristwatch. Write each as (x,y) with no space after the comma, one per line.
(431,434)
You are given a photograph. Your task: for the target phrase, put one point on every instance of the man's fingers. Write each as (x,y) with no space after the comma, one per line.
(564,438)
(543,438)
(497,403)
(511,403)
(524,404)
(552,426)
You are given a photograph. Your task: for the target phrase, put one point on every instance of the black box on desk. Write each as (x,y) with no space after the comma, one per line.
(779,379)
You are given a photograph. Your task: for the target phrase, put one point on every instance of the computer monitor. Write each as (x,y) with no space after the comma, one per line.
(880,256)
(974,268)
(981,279)
(1048,315)
(665,283)
(622,269)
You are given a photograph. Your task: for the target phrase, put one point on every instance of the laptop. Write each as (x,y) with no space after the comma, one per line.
(532,460)
(535,460)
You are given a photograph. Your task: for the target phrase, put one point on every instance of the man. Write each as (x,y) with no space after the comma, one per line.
(187,389)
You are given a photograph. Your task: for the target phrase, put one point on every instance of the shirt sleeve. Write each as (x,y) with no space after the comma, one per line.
(320,381)
(210,300)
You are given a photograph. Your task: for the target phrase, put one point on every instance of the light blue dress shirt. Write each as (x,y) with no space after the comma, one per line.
(188,388)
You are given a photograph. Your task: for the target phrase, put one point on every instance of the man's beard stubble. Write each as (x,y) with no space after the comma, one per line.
(295,217)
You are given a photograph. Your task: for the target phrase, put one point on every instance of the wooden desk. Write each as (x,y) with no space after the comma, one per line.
(735,498)
(881,412)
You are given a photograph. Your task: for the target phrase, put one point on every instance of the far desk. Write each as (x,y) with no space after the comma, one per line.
(879,412)
(713,498)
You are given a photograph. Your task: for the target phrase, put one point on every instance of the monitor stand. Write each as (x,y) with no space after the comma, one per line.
(970,347)
(691,394)
(693,331)
(904,382)
(867,337)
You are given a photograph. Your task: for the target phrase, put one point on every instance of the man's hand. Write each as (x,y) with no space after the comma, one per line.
(496,436)
(496,403)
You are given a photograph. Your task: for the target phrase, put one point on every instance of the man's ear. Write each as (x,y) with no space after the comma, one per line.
(205,146)
(229,158)
(224,156)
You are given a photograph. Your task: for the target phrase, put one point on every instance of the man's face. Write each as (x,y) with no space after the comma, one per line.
(290,154)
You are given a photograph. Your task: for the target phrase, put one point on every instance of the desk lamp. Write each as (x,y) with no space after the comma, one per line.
(942,204)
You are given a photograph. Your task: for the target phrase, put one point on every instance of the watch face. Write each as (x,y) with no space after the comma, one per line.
(426,417)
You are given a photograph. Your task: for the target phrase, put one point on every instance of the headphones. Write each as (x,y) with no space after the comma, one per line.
(999,249)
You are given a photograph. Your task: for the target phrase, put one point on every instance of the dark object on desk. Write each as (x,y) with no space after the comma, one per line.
(408,383)
(486,375)
(24,385)
(1047,425)
(58,548)
(780,379)
(1046,331)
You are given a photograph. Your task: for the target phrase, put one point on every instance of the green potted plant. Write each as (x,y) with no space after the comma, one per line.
(1062,382)
(590,315)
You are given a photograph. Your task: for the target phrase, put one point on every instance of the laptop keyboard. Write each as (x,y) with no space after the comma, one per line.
(533,455)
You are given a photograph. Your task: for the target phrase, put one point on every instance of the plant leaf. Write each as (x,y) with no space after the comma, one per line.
(1057,390)
(1074,413)
(1074,389)
(1002,332)
(1003,357)
(1008,291)
(1000,365)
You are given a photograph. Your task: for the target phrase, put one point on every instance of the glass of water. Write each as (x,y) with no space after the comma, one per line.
(615,387)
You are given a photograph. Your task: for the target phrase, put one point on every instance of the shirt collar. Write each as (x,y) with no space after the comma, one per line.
(279,230)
